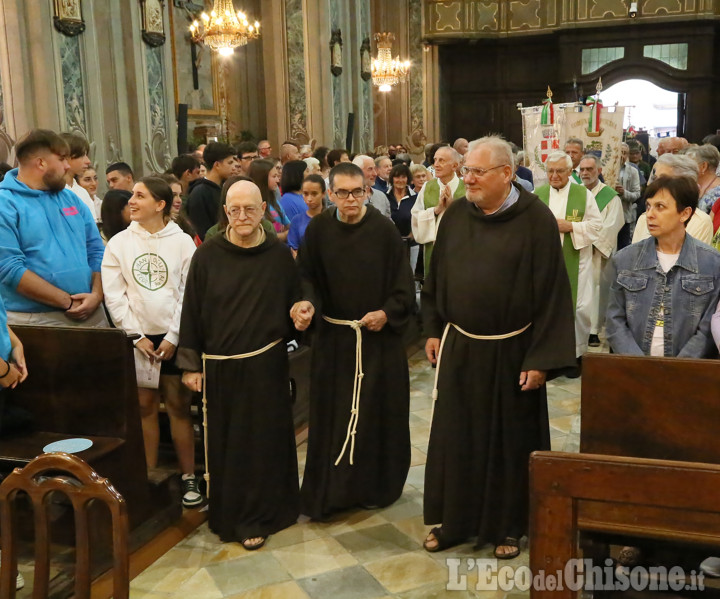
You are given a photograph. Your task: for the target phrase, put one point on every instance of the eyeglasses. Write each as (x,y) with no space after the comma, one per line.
(477,171)
(557,171)
(236,213)
(251,157)
(343,194)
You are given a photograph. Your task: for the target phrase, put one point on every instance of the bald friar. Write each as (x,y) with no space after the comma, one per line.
(235,321)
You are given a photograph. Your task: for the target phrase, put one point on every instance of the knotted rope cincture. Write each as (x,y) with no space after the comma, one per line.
(206,357)
(471,336)
(356,325)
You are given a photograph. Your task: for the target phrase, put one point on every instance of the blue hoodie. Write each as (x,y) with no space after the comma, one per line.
(52,234)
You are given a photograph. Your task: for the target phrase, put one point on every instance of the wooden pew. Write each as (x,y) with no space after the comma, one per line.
(647,467)
(640,498)
(660,408)
(82,384)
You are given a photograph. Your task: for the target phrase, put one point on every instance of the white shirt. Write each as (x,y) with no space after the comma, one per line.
(82,193)
(657,345)
(424,221)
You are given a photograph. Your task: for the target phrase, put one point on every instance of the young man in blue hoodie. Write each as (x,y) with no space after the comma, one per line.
(50,248)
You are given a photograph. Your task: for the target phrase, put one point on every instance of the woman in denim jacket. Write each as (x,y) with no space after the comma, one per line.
(664,290)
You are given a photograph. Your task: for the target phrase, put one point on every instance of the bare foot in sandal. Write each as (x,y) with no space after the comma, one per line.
(253,543)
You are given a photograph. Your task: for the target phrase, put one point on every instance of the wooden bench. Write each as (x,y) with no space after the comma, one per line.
(574,494)
(82,384)
(648,462)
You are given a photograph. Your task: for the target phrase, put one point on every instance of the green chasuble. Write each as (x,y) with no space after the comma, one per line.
(576,177)
(431,198)
(603,197)
(574,212)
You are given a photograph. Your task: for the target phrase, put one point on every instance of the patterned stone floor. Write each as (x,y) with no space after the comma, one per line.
(364,555)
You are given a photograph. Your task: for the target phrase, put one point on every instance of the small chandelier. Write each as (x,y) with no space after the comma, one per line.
(387,71)
(224,30)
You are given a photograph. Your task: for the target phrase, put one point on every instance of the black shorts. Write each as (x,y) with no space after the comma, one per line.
(166,366)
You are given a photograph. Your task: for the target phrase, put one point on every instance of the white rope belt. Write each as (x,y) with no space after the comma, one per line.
(471,336)
(206,357)
(356,325)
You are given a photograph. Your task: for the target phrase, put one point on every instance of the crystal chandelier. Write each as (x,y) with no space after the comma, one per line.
(224,29)
(387,71)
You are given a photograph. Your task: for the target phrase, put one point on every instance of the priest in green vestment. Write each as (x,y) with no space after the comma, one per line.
(434,198)
(579,223)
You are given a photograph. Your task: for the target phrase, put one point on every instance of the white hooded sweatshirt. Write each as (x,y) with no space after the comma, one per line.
(143,278)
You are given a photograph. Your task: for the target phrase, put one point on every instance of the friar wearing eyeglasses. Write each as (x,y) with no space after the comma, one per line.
(360,288)
(498,314)
(233,331)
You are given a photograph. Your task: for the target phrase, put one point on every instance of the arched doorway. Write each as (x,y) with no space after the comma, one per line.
(649,107)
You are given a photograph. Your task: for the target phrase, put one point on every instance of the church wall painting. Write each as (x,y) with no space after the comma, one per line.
(195,68)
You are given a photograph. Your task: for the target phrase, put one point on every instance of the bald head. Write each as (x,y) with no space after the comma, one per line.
(461,146)
(289,152)
(244,208)
(671,145)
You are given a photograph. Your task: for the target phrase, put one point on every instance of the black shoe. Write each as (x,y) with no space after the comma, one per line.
(594,341)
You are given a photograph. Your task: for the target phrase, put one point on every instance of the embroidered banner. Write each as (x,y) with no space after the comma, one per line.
(571,120)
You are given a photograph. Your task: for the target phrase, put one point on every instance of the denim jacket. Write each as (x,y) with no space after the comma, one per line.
(689,292)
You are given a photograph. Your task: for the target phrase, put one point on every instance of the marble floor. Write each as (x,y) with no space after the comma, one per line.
(363,555)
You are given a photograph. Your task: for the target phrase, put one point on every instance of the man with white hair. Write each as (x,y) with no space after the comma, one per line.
(611,211)
(497,311)
(434,198)
(383,166)
(376,198)
(700,225)
(580,223)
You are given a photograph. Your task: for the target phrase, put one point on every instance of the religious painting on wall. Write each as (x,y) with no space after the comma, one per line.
(195,68)
(153,30)
(68,17)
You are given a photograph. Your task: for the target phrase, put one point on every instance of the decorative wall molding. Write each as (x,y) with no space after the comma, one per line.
(73,85)
(447,19)
(153,29)
(297,92)
(68,18)
(157,148)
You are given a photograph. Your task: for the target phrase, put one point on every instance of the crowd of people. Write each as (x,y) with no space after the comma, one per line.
(217,263)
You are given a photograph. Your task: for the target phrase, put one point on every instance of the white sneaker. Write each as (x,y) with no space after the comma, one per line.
(711,566)
(19,581)
(191,492)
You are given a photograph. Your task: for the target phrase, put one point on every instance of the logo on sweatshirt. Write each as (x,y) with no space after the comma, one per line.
(150,271)
(72,211)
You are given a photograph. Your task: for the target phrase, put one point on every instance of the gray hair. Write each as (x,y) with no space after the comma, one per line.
(379,159)
(312,162)
(454,154)
(682,166)
(558,156)
(589,157)
(360,159)
(576,141)
(417,168)
(499,146)
(705,153)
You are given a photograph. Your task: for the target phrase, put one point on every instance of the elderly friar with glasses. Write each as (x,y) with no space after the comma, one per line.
(499,319)
(239,292)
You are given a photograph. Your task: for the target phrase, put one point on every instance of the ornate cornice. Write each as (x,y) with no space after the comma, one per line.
(452,19)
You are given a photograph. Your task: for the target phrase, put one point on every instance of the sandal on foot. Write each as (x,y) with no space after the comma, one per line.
(252,546)
(508,542)
(440,540)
